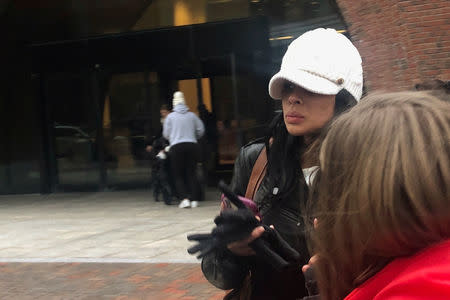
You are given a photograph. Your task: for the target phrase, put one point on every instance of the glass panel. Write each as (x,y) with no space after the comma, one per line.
(163,13)
(133,111)
(236,126)
(20,134)
(286,11)
(226,120)
(4,179)
(74,132)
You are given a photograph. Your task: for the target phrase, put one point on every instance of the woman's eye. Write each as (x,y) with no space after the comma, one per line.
(288,87)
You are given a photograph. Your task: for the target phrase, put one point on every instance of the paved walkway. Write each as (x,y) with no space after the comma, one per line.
(119,281)
(118,245)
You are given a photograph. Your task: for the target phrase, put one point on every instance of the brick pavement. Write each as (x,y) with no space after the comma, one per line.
(120,245)
(117,281)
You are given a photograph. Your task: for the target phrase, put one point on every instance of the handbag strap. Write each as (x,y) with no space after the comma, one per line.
(256,177)
(258,172)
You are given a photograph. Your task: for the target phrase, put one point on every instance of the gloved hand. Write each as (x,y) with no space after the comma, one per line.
(232,225)
(205,244)
(279,246)
(235,225)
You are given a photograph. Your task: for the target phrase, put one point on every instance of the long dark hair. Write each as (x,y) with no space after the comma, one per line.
(285,151)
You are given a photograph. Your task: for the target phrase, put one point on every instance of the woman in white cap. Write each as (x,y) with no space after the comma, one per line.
(320,77)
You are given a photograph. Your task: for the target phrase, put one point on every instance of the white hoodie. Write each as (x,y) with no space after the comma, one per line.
(182,126)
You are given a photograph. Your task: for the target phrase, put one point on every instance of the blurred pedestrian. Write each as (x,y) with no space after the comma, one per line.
(163,112)
(182,128)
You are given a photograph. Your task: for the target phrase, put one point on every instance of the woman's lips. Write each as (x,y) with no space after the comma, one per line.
(294,118)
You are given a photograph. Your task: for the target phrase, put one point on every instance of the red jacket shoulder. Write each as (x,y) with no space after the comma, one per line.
(424,275)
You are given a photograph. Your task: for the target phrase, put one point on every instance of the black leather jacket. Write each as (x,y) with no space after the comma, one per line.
(226,271)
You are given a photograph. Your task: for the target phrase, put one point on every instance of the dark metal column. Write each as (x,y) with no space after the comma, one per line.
(195,60)
(44,160)
(96,98)
(199,89)
(51,165)
(236,99)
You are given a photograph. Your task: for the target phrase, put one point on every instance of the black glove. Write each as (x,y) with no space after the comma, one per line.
(235,225)
(205,244)
(232,225)
(271,247)
(276,243)
(238,224)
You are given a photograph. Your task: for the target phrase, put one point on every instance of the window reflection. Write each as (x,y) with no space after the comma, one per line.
(102,120)
(73,132)
(129,121)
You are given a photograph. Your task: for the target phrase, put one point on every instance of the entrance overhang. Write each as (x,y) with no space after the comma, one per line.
(166,49)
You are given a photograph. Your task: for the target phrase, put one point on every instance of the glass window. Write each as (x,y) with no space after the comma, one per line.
(154,55)
(73,134)
(130,121)
(20,136)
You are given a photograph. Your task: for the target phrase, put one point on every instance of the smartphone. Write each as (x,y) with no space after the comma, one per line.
(238,201)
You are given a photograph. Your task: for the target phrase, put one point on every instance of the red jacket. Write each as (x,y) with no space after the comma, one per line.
(424,275)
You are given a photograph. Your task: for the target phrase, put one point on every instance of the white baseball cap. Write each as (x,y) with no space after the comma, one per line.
(321,61)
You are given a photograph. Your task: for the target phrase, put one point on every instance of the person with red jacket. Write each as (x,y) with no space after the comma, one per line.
(424,275)
(382,201)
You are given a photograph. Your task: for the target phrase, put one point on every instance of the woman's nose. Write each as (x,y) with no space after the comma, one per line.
(294,99)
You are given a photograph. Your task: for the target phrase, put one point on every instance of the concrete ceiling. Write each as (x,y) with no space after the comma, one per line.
(49,20)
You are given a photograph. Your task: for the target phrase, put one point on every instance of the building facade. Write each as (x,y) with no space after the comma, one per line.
(402,42)
(82,81)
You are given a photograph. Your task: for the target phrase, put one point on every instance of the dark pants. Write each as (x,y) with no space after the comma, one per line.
(183,161)
(160,180)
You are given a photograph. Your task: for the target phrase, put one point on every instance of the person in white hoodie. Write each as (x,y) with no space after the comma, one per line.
(182,128)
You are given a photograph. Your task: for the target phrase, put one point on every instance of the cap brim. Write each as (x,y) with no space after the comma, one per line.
(304,79)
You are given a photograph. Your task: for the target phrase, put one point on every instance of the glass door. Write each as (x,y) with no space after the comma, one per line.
(72,130)
(130,121)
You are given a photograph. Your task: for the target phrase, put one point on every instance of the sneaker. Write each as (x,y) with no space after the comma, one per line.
(194,204)
(185,204)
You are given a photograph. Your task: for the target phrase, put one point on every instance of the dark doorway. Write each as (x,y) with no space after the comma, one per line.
(103,95)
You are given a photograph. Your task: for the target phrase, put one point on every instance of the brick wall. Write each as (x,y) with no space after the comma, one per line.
(401,42)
